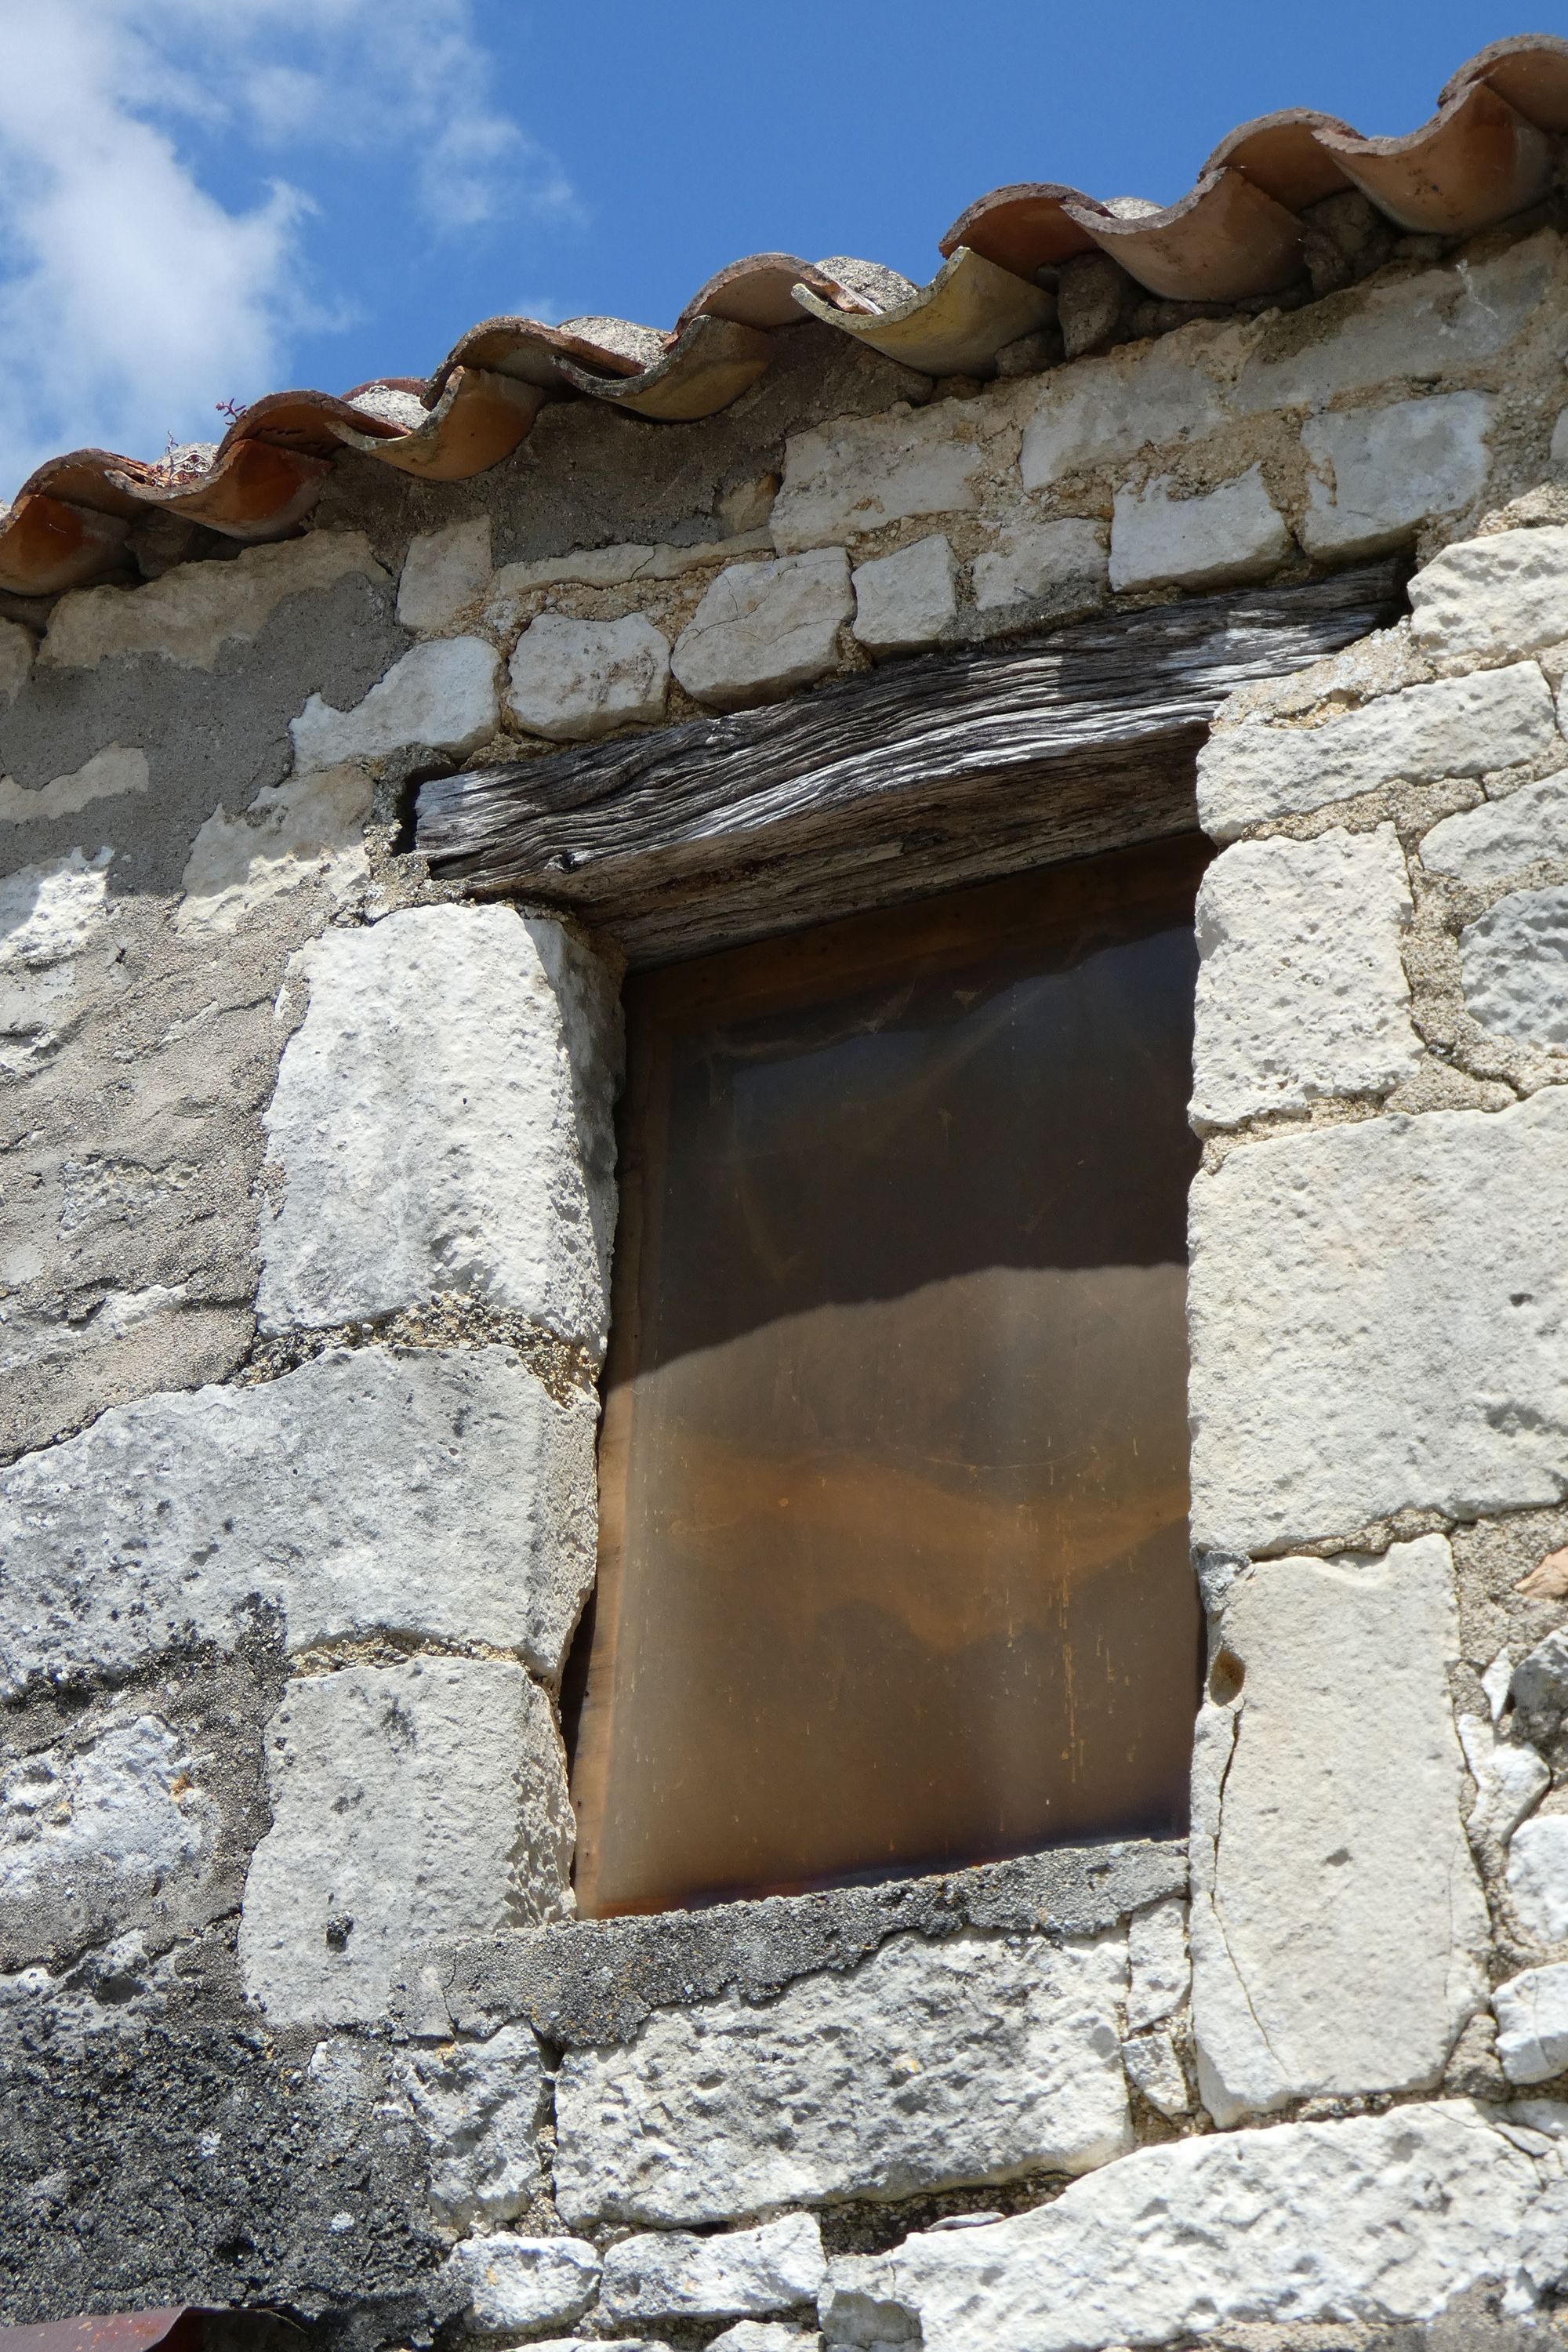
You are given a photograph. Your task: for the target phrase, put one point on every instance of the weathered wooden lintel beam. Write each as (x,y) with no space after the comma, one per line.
(930,771)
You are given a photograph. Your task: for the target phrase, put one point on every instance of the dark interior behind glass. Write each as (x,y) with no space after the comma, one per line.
(894,1569)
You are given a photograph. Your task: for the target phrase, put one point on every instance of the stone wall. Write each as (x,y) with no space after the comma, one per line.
(310,1186)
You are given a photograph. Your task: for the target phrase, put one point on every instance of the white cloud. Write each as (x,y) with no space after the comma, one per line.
(131,299)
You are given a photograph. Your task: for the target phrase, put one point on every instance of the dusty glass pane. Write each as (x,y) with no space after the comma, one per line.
(894,1570)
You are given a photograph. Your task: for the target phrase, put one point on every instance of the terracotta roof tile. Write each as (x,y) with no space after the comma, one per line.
(1237,235)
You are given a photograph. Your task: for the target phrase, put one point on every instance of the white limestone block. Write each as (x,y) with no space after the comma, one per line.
(443,571)
(1457,727)
(1377,473)
(1302,993)
(1509,1778)
(1102,411)
(765,2336)
(441,1494)
(110,774)
(1532,2011)
(740,2274)
(84,1837)
(407,1802)
(50,914)
(1537,1876)
(1158,1970)
(1366,1337)
(763,628)
(1337,1914)
(1500,837)
(1539,1684)
(1380,2219)
(573,680)
(443,1124)
(854,475)
(1158,539)
(1032,559)
(907,599)
(479,2106)
(193,610)
(1493,599)
(1155,2073)
(443,696)
(967,2059)
(310,828)
(1514,960)
(516,2285)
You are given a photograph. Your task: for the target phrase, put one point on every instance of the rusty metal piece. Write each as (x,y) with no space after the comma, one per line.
(756,291)
(1283,155)
(252,492)
(1474,163)
(1529,69)
(1024,227)
(709,364)
(47,545)
(954,326)
(479,420)
(1225,240)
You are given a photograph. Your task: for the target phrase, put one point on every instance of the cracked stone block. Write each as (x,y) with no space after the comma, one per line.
(407,1802)
(1402,2213)
(516,2285)
(1363,1341)
(1337,1916)
(479,2106)
(1495,598)
(443,571)
(1103,411)
(763,628)
(1531,2011)
(743,2275)
(1159,540)
(484,1169)
(907,599)
(859,472)
(1033,558)
(193,611)
(1376,474)
(441,697)
(1158,1970)
(1514,960)
(1500,837)
(1154,2072)
(1538,1877)
(87,1837)
(1458,727)
(572,680)
(1302,993)
(972,2059)
(309,828)
(1509,1778)
(443,1495)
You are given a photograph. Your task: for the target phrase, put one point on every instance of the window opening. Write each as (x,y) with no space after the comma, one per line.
(893,1570)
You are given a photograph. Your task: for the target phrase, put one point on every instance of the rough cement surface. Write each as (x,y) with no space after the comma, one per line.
(516,2285)
(969,2060)
(190,613)
(479,2106)
(739,2275)
(441,697)
(595,1981)
(1515,964)
(1302,993)
(1330,1852)
(407,1802)
(484,1169)
(1418,1368)
(1379,2220)
(1458,727)
(309,828)
(438,1494)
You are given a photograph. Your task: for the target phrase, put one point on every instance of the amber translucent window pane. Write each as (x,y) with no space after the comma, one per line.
(894,1572)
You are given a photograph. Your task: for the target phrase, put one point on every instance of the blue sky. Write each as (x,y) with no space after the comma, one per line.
(204,203)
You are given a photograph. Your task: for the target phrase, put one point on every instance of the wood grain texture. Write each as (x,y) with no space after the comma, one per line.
(925,773)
